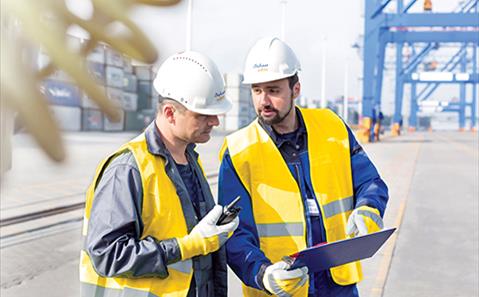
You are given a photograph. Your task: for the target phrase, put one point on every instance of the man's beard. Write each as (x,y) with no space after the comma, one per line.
(278,118)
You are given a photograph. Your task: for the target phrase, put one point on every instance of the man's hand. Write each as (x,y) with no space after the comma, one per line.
(207,237)
(364,220)
(282,282)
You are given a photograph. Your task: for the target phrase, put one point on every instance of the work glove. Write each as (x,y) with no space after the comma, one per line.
(206,237)
(364,220)
(282,282)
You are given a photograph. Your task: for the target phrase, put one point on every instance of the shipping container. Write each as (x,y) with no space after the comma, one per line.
(130,82)
(233,123)
(113,58)
(61,93)
(240,109)
(42,61)
(92,120)
(154,103)
(236,94)
(97,55)
(145,87)
(138,120)
(144,102)
(60,75)
(127,66)
(149,115)
(113,94)
(143,72)
(144,94)
(129,101)
(233,79)
(114,126)
(67,117)
(114,77)
(116,95)
(87,102)
(154,93)
(98,72)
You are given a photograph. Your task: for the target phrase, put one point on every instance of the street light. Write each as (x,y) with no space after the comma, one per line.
(283,19)
(188,25)
(346,82)
(323,75)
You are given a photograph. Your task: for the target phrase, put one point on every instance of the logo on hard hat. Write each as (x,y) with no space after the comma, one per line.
(220,95)
(260,67)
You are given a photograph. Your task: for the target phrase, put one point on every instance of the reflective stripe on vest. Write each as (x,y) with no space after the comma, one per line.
(280,229)
(339,206)
(168,215)
(94,290)
(276,199)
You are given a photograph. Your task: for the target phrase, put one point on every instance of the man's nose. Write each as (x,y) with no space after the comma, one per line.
(264,99)
(213,121)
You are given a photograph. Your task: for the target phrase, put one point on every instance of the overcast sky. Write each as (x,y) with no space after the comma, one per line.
(226,29)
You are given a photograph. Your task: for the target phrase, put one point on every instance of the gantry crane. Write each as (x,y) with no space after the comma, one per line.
(424,32)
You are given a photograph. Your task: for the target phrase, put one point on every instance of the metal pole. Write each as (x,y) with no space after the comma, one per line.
(462,95)
(474,89)
(188,25)
(398,94)
(323,75)
(360,99)
(474,85)
(346,82)
(371,46)
(399,88)
(283,19)
(413,108)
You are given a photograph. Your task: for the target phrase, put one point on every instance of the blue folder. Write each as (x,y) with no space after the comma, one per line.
(325,256)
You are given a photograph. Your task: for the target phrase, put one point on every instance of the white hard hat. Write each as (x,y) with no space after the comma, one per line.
(270,59)
(193,80)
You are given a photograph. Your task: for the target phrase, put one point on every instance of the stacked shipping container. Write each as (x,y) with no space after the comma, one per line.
(242,112)
(132,88)
(114,72)
(64,96)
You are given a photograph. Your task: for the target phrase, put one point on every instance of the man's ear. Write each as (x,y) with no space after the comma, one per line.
(296,89)
(169,113)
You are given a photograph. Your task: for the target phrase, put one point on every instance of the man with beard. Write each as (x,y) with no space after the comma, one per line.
(303,179)
(150,223)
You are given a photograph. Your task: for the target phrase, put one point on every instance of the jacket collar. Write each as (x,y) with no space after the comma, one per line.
(276,136)
(156,146)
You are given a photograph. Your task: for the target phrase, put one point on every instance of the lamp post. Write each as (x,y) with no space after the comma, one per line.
(345,99)
(283,19)
(323,75)
(188,25)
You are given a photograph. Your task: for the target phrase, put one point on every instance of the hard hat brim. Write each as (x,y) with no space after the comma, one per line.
(266,78)
(222,107)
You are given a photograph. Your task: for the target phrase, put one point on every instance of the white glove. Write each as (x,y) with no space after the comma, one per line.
(206,237)
(282,282)
(364,220)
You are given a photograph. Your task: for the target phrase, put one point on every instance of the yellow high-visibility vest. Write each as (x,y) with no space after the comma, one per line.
(276,198)
(163,218)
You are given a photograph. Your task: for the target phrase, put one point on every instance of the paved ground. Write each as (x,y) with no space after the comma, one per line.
(432,177)
(437,251)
